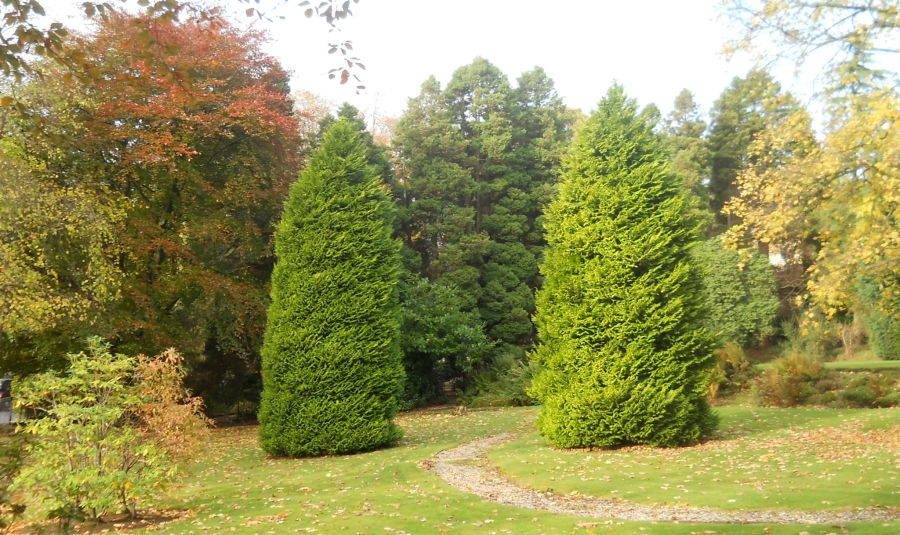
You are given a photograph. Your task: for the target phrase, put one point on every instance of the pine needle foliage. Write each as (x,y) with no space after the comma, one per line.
(624,356)
(332,371)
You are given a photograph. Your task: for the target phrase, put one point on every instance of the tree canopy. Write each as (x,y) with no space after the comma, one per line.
(170,188)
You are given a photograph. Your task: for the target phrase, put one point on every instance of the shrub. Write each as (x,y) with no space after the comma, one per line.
(870,390)
(332,370)
(732,372)
(740,293)
(440,340)
(102,432)
(504,383)
(12,449)
(167,415)
(817,336)
(790,381)
(624,355)
(882,320)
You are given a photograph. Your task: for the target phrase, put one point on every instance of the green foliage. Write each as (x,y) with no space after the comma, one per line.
(92,448)
(375,154)
(142,204)
(882,322)
(732,372)
(58,246)
(683,136)
(440,340)
(12,453)
(740,293)
(506,382)
(332,371)
(479,160)
(746,108)
(790,380)
(624,355)
(818,337)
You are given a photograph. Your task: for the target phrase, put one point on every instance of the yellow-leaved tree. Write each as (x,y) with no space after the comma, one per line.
(833,203)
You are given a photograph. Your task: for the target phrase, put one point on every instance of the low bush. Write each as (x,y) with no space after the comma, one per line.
(504,383)
(867,389)
(104,434)
(797,379)
(12,448)
(733,371)
(789,381)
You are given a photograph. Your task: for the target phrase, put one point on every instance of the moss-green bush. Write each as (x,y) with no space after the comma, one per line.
(740,293)
(332,371)
(623,353)
(882,320)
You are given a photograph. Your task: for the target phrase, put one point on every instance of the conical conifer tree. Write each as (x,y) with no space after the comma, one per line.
(624,357)
(332,371)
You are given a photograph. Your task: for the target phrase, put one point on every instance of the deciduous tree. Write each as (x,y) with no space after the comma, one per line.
(839,195)
(189,170)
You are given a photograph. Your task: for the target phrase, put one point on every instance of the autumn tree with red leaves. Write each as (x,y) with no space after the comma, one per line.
(187,129)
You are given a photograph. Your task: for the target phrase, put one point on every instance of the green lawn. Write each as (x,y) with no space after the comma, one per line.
(852,365)
(763,458)
(235,488)
(863,365)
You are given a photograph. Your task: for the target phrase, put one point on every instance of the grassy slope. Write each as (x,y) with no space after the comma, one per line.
(239,489)
(863,364)
(765,459)
(852,365)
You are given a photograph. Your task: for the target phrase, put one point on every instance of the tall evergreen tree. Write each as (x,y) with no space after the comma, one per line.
(332,370)
(625,359)
(749,106)
(375,153)
(479,159)
(683,136)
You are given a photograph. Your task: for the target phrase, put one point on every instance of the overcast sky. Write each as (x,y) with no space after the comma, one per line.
(653,47)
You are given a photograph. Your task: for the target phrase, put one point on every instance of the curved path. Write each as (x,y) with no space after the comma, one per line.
(465,467)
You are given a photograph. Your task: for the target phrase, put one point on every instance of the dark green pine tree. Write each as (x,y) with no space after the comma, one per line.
(624,355)
(332,371)
(689,154)
(480,159)
(746,108)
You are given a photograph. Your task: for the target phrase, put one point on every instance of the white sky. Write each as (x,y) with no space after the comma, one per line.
(653,47)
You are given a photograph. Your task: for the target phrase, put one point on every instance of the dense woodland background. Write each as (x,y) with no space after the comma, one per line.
(145,166)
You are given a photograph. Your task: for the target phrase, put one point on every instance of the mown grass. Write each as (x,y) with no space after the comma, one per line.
(762,458)
(234,488)
(851,365)
(863,365)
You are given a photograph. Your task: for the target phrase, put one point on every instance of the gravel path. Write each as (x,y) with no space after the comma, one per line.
(466,468)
